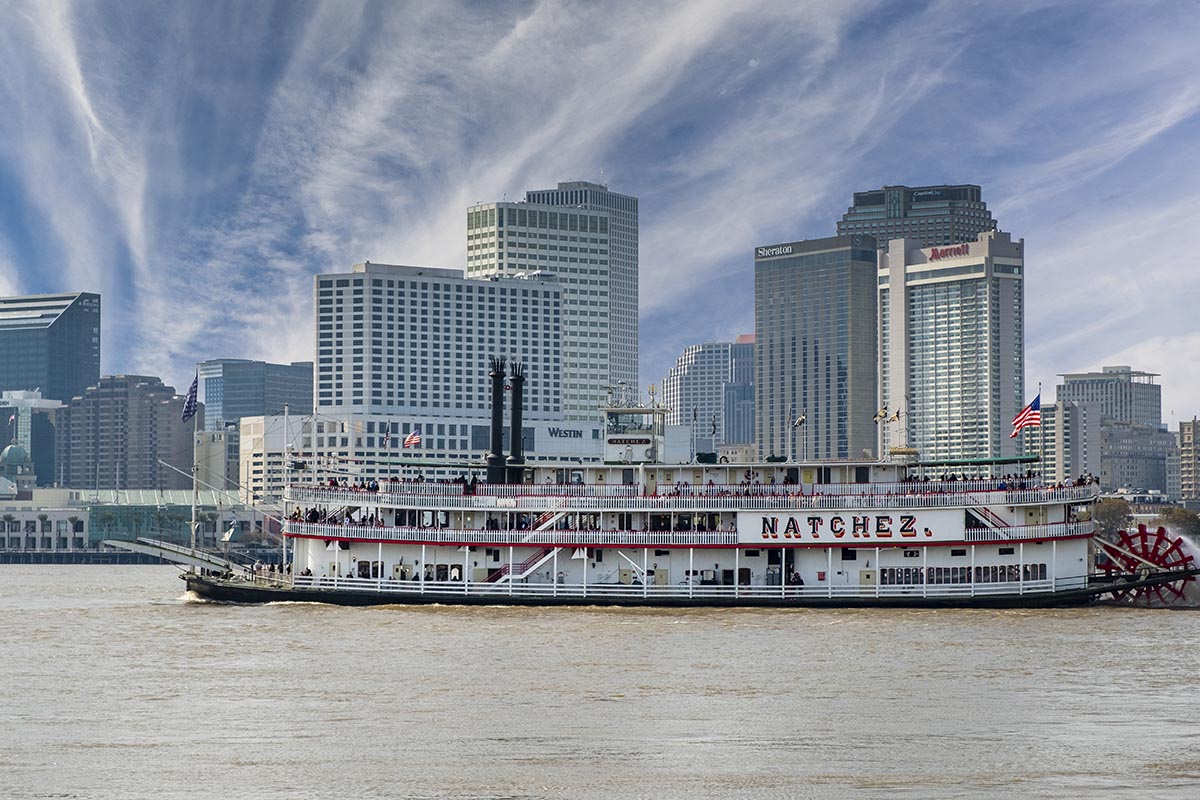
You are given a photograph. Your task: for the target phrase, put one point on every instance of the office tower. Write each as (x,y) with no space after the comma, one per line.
(1068,442)
(622,210)
(1189,460)
(504,239)
(232,388)
(928,215)
(1122,393)
(815,348)
(951,353)
(126,433)
(696,388)
(739,392)
(50,343)
(1134,445)
(31,421)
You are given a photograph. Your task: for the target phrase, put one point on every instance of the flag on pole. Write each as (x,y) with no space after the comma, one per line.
(387,437)
(1029,416)
(413,439)
(881,414)
(189,404)
(800,420)
(895,417)
(12,419)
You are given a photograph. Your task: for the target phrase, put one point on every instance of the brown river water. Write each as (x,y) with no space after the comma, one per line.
(115,685)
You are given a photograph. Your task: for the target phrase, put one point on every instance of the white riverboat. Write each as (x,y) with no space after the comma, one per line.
(635,531)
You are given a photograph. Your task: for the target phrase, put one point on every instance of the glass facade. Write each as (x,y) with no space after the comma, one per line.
(50,343)
(932,215)
(815,348)
(235,388)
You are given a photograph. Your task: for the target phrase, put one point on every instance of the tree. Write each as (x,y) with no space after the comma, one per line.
(45,520)
(1179,521)
(1111,515)
(9,519)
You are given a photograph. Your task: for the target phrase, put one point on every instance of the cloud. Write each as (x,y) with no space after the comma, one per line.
(199,165)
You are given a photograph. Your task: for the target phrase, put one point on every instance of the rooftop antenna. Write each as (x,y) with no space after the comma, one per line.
(602,183)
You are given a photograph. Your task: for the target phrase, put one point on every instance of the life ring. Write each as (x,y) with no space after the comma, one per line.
(724,459)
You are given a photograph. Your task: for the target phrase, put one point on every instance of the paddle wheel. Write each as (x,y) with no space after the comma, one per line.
(1142,553)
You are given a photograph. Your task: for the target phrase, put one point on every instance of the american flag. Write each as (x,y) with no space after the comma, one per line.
(387,437)
(1030,416)
(189,405)
(413,439)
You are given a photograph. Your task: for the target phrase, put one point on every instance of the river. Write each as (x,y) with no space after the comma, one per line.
(118,686)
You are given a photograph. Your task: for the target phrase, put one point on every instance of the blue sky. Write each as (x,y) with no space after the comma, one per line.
(197,163)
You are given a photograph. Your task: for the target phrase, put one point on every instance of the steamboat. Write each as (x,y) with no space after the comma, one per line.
(634,530)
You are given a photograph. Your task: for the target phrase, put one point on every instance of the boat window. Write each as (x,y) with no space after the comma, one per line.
(849,554)
(958,553)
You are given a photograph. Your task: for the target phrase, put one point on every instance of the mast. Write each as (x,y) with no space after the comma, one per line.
(195,476)
(287,474)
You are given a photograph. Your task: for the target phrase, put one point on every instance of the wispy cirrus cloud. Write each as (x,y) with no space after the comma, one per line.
(199,165)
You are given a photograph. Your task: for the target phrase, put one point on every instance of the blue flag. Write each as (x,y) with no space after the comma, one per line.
(189,405)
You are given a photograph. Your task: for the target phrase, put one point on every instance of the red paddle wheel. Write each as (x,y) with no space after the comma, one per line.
(1141,553)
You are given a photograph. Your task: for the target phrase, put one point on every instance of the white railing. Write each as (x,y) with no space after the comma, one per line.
(535,499)
(513,537)
(681,590)
(525,537)
(1056,530)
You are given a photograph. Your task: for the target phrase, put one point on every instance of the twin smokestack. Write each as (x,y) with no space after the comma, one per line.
(498,471)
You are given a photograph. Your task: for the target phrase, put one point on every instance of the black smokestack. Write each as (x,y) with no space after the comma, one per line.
(495,460)
(516,458)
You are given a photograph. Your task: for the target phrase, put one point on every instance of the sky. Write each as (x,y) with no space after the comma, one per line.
(198,163)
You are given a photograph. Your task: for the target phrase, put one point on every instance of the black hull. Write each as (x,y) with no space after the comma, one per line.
(219,590)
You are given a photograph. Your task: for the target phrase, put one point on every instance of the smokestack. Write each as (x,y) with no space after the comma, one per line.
(516,458)
(495,460)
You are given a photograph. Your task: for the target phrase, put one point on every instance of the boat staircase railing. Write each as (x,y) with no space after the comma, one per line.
(989,518)
(510,572)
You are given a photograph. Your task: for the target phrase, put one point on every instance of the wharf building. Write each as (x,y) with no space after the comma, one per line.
(710,391)
(928,215)
(951,346)
(815,317)
(123,433)
(622,210)
(50,343)
(510,239)
(1135,446)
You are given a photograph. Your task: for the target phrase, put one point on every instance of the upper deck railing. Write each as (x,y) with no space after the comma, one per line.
(598,497)
(577,538)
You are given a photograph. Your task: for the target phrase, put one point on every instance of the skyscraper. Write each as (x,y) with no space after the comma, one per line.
(622,210)
(50,343)
(697,391)
(233,388)
(124,432)
(504,239)
(815,347)
(929,215)
(1134,444)
(952,352)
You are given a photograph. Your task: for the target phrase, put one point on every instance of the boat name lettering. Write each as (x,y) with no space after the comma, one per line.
(565,433)
(880,526)
(629,441)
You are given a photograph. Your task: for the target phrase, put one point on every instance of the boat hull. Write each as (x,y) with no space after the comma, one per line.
(235,591)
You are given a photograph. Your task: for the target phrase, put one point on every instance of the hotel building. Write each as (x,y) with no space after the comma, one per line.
(815,347)
(951,346)
(927,215)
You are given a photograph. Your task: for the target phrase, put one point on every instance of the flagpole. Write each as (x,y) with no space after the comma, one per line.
(1041,436)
